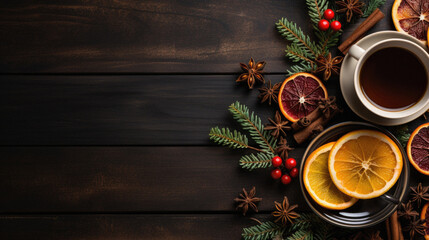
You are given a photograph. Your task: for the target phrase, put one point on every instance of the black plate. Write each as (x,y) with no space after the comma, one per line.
(364,213)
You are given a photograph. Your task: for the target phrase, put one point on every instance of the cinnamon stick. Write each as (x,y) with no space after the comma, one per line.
(317,125)
(401,236)
(307,120)
(358,33)
(388,230)
(394,226)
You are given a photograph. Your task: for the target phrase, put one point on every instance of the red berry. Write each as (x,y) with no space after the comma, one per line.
(290,163)
(277,161)
(335,25)
(323,25)
(329,14)
(276,173)
(286,179)
(294,172)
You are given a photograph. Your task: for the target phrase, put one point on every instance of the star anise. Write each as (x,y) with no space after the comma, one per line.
(246,200)
(278,126)
(328,65)
(284,212)
(415,226)
(419,193)
(252,71)
(407,211)
(283,148)
(269,92)
(350,7)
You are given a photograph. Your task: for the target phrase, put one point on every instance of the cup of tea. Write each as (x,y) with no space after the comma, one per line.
(391,78)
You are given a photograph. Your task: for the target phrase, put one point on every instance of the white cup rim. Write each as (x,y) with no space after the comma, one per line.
(416,50)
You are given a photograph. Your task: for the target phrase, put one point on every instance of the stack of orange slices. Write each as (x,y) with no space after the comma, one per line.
(362,164)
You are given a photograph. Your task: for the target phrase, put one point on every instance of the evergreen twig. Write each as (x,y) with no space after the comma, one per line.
(233,139)
(302,67)
(251,122)
(264,231)
(291,32)
(316,8)
(260,160)
(371,6)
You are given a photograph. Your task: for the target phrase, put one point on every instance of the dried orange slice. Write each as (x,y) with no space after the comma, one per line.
(418,148)
(412,17)
(365,164)
(424,216)
(299,95)
(318,182)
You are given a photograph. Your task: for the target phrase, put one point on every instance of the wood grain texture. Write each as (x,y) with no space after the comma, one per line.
(135,226)
(123,110)
(132,179)
(152,36)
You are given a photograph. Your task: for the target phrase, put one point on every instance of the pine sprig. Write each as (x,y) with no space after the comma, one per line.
(302,67)
(402,134)
(371,6)
(327,40)
(296,54)
(251,122)
(226,137)
(260,160)
(316,8)
(291,32)
(263,231)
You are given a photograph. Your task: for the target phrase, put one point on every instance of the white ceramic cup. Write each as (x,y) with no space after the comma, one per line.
(361,55)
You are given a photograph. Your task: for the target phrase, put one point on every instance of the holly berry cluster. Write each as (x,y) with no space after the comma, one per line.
(324,23)
(277,173)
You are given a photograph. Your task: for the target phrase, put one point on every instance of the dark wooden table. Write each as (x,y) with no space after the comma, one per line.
(106,108)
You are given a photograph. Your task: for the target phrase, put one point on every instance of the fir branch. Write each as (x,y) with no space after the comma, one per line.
(327,40)
(295,54)
(291,32)
(316,8)
(260,160)
(264,231)
(402,134)
(252,123)
(371,6)
(302,67)
(232,139)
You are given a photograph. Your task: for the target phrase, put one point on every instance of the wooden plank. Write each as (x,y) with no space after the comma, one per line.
(135,226)
(122,110)
(152,36)
(132,179)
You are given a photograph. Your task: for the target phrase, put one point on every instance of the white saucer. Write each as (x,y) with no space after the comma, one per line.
(346,80)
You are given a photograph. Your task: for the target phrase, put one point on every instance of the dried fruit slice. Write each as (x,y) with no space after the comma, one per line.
(299,95)
(365,164)
(425,217)
(412,17)
(418,148)
(318,182)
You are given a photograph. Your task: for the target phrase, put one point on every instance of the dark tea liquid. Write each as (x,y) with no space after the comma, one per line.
(393,79)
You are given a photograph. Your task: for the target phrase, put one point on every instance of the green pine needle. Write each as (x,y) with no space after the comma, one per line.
(371,6)
(296,54)
(251,122)
(292,33)
(316,8)
(402,134)
(260,160)
(226,137)
(263,231)
(302,67)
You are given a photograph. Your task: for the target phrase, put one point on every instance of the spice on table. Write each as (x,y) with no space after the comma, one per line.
(407,211)
(350,7)
(283,148)
(285,212)
(328,109)
(415,226)
(327,65)
(269,92)
(277,126)
(394,228)
(358,33)
(253,72)
(419,193)
(246,200)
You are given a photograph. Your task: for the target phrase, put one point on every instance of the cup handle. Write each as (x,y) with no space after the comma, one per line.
(390,199)
(356,52)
